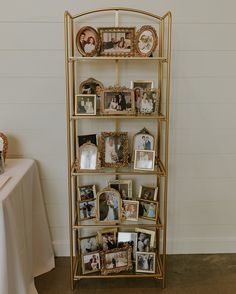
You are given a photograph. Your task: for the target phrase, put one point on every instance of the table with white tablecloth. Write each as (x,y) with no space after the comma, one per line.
(25,244)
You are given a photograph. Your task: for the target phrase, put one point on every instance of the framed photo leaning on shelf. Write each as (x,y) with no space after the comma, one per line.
(82,139)
(88,41)
(107,238)
(148,210)
(123,186)
(143,140)
(128,238)
(145,239)
(87,192)
(146,41)
(91,263)
(131,210)
(144,160)
(85,104)
(87,209)
(145,262)
(148,193)
(88,158)
(88,244)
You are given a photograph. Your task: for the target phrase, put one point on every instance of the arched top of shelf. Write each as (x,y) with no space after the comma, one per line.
(168,14)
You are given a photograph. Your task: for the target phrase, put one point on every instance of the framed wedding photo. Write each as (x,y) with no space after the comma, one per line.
(123,186)
(88,157)
(117,41)
(88,244)
(145,239)
(109,206)
(88,41)
(87,209)
(149,102)
(145,262)
(140,86)
(144,160)
(117,101)
(146,41)
(148,210)
(143,140)
(91,263)
(87,192)
(114,149)
(107,239)
(131,210)
(85,104)
(148,193)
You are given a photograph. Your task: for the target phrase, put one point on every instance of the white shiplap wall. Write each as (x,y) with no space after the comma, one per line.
(203,105)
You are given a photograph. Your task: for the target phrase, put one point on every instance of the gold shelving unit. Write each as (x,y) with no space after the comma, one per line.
(162,124)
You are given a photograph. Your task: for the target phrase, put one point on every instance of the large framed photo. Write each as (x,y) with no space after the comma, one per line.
(144,160)
(109,206)
(114,149)
(148,210)
(143,140)
(116,260)
(88,244)
(149,102)
(87,41)
(87,192)
(87,209)
(107,239)
(131,210)
(88,157)
(117,101)
(148,193)
(145,239)
(91,263)
(145,262)
(117,41)
(146,40)
(85,104)
(123,186)
(128,238)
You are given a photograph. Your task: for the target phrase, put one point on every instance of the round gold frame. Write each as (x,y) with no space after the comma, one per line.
(97,42)
(155,40)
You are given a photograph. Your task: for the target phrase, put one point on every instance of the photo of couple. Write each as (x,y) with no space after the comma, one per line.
(113,42)
(120,101)
(91,263)
(88,244)
(144,160)
(143,142)
(114,260)
(87,192)
(86,104)
(87,210)
(113,149)
(145,262)
(109,206)
(87,41)
(108,240)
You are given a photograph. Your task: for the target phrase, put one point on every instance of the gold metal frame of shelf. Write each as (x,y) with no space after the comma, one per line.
(82,58)
(99,116)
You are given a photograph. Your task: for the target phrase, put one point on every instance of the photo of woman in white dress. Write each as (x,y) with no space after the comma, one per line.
(109,206)
(89,106)
(146,104)
(90,45)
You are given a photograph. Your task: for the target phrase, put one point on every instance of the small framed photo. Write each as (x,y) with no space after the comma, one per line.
(107,239)
(87,209)
(87,139)
(149,102)
(87,192)
(140,86)
(143,140)
(144,160)
(109,206)
(123,186)
(146,41)
(128,238)
(91,263)
(131,210)
(145,262)
(88,244)
(148,210)
(114,149)
(148,193)
(116,260)
(88,41)
(85,104)
(88,157)
(145,239)
(117,101)
(117,41)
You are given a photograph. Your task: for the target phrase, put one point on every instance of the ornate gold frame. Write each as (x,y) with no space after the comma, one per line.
(135,160)
(97,42)
(124,136)
(157,104)
(82,261)
(148,232)
(151,187)
(128,267)
(123,182)
(155,40)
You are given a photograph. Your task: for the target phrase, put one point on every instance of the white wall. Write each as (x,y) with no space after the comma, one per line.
(203,122)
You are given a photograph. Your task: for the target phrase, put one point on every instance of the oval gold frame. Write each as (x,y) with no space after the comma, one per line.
(155,40)
(97,42)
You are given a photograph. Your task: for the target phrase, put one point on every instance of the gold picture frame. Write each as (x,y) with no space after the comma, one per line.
(88,157)
(114,149)
(86,189)
(128,210)
(109,260)
(86,210)
(144,160)
(148,234)
(149,210)
(96,245)
(141,259)
(109,244)
(83,44)
(117,101)
(117,41)
(85,108)
(91,267)
(148,192)
(141,141)
(126,194)
(146,41)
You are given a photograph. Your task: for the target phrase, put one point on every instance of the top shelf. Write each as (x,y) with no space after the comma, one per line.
(82,58)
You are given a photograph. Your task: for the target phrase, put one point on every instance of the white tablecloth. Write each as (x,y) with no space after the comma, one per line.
(25,245)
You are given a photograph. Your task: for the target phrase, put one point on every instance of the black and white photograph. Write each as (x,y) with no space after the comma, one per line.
(148,193)
(89,244)
(143,142)
(117,41)
(144,160)
(145,262)
(148,210)
(139,87)
(149,102)
(109,206)
(128,238)
(85,104)
(88,157)
(123,186)
(91,263)
(88,41)
(145,239)
(107,239)
(131,210)
(87,209)
(87,139)
(87,192)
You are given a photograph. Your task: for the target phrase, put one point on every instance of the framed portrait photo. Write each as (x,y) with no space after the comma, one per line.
(107,238)
(117,101)
(144,160)
(87,192)
(88,157)
(88,244)
(140,86)
(85,104)
(109,206)
(87,139)
(114,149)
(131,210)
(145,262)
(117,41)
(143,140)
(148,210)
(128,238)
(116,260)
(148,193)
(91,263)
(88,41)
(146,40)
(123,186)
(149,102)
(87,209)
(145,239)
